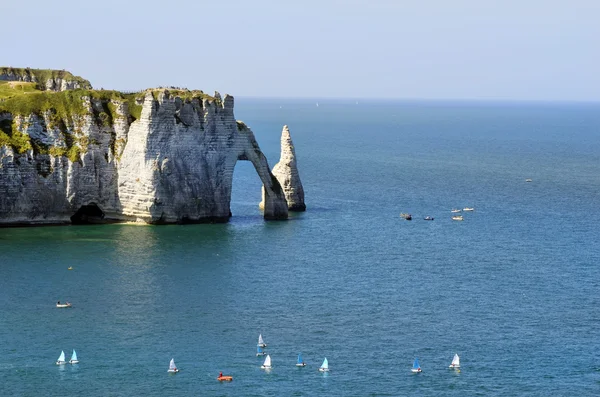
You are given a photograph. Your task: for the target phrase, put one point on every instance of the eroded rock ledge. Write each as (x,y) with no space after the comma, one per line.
(158,156)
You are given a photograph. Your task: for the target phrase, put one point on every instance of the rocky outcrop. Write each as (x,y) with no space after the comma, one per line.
(50,80)
(173,163)
(286,172)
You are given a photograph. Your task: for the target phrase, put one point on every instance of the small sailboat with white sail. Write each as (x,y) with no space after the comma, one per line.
(261,342)
(300,362)
(455,362)
(61,359)
(267,363)
(416,367)
(325,366)
(74,359)
(260,351)
(172,367)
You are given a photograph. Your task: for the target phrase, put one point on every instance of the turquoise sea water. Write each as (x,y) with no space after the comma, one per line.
(514,289)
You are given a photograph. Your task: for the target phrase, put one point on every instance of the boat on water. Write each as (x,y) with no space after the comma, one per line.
(172,367)
(528,180)
(74,359)
(457,218)
(325,366)
(260,351)
(224,378)
(455,211)
(300,362)
(267,363)
(261,342)
(468,209)
(455,362)
(70,268)
(406,216)
(61,359)
(416,368)
(63,305)
(428,218)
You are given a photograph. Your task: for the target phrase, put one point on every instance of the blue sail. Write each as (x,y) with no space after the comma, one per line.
(416,363)
(299,358)
(260,351)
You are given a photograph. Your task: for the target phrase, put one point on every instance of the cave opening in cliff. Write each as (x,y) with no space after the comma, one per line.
(245,190)
(88,214)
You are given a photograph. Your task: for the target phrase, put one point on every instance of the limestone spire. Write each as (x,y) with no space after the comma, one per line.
(286,172)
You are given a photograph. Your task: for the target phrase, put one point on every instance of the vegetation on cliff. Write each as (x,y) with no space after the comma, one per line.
(65,110)
(41,76)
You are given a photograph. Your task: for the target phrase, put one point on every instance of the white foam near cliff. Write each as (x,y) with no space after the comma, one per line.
(286,172)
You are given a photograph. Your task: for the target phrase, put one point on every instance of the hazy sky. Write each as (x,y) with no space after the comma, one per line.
(494,49)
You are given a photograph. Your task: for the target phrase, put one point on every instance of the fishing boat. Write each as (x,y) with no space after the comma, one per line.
(455,362)
(260,351)
(61,359)
(74,359)
(468,209)
(455,211)
(224,378)
(261,342)
(457,218)
(416,367)
(267,363)
(172,367)
(324,366)
(300,362)
(63,305)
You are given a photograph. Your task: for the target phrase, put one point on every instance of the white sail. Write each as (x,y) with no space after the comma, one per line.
(267,363)
(73,359)
(324,366)
(455,362)
(261,342)
(172,364)
(61,358)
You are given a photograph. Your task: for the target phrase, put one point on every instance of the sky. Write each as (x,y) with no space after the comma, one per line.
(419,49)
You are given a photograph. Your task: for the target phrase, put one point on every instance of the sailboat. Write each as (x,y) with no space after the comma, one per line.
(73,359)
(172,367)
(324,366)
(455,362)
(61,359)
(300,362)
(416,367)
(260,351)
(267,363)
(261,342)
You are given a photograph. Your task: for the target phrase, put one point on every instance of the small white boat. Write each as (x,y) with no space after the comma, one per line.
(468,209)
(172,367)
(261,342)
(455,211)
(61,359)
(267,363)
(300,362)
(260,351)
(416,367)
(528,180)
(74,359)
(324,366)
(62,305)
(457,218)
(455,362)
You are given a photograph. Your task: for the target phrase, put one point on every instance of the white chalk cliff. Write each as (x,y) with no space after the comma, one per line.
(173,164)
(286,172)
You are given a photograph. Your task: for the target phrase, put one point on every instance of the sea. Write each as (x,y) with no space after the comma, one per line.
(513,289)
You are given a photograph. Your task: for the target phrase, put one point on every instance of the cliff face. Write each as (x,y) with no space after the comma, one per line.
(286,172)
(158,157)
(51,80)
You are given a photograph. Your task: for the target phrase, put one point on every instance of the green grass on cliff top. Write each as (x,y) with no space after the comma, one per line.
(43,75)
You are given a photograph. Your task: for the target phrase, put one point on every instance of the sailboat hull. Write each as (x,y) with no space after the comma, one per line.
(454,366)
(61,362)
(416,371)
(260,354)
(262,345)
(301,365)
(323,369)
(225,378)
(73,361)
(173,371)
